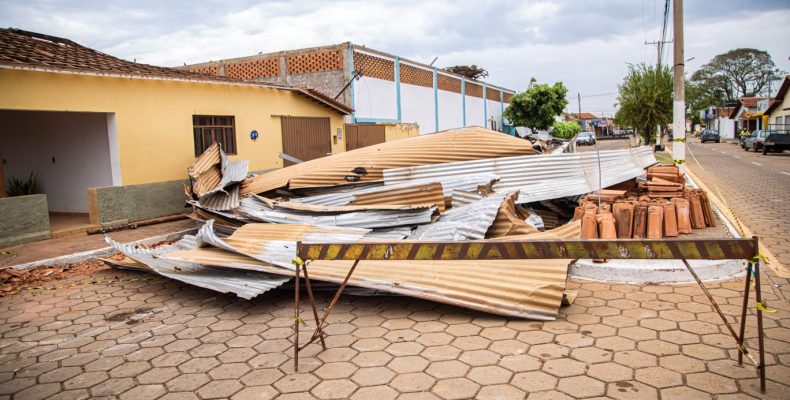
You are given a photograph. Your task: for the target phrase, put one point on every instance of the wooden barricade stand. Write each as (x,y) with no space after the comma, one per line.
(632,249)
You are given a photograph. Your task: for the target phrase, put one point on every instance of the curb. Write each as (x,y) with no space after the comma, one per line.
(100,252)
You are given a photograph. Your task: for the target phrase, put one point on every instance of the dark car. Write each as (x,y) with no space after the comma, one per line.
(709,135)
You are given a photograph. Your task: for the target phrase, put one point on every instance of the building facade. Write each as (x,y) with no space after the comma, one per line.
(379,87)
(113,138)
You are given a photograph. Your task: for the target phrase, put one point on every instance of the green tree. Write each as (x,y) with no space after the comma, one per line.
(565,129)
(645,98)
(700,96)
(537,107)
(739,72)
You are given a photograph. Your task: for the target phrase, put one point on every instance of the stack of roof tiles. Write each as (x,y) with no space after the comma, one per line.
(660,206)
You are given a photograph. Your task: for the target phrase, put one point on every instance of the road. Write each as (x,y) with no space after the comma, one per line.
(756,187)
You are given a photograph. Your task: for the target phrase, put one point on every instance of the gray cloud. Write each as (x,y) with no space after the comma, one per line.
(583,43)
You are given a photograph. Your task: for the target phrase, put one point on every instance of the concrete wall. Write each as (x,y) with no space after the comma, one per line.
(136,202)
(69,152)
(327,82)
(154,117)
(400,131)
(24,219)
(375,99)
(418,107)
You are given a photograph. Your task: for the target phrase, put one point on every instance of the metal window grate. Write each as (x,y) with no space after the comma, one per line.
(208,129)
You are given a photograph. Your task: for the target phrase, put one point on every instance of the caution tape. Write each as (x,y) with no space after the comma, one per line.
(762,307)
(298,319)
(679,140)
(83,283)
(678,162)
(298,262)
(759,257)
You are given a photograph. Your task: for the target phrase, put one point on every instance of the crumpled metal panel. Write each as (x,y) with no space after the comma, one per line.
(542,177)
(368,163)
(381,216)
(515,288)
(222,200)
(276,243)
(242,283)
(468,222)
(464,197)
(449,185)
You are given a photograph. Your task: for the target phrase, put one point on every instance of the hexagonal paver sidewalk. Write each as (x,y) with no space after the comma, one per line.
(162,339)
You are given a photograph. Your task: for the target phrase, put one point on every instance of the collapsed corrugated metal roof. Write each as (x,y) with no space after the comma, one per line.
(516,288)
(542,177)
(355,216)
(242,283)
(468,222)
(368,163)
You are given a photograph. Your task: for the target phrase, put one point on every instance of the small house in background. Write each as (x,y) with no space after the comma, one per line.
(748,113)
(381,88)
(777,116)
(110,140)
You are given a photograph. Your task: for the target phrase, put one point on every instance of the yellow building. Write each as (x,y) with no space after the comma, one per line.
(81,119)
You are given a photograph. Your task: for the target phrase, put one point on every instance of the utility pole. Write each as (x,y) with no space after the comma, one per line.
(679,105)
(579,115)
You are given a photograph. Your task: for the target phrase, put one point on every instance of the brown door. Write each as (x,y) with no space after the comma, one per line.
(361,135)
(306,138)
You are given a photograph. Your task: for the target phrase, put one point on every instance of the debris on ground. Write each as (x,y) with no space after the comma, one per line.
(465,184)
(13,280)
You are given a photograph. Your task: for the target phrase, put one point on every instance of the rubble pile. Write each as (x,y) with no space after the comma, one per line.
(464,184)
(657,207)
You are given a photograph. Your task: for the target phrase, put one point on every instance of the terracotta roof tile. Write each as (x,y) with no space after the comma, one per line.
(20,48)
(23,49)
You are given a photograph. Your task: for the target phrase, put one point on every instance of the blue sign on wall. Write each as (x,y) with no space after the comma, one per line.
(254,135)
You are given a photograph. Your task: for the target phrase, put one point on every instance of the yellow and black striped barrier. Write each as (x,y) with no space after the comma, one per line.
(690,249)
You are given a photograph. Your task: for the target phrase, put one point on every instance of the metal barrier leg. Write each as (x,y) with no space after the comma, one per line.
(760,339)
(716,307)
(313,305)
(741,337)
(297,318)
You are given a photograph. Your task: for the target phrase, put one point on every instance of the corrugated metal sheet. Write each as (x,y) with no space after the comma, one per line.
(369,162)
(276,243)
(514,288)
(469,222)
(543,177)
(244,284)
(449,185)
(428,193)
(464,197)
(508,222)
(222,200)
(355,216)
(209,158)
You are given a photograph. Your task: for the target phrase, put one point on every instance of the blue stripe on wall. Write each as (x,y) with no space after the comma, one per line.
(351,70)
(463,98)
(397,85)
(436,99)
(485,106)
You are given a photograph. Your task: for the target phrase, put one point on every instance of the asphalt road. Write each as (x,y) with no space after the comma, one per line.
(755,186)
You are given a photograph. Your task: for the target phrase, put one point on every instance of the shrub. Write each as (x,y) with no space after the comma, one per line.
(565,130)
(18,187)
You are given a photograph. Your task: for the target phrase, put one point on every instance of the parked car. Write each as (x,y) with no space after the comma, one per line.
(709,135)
(585,138)
(776,142)
(755,141)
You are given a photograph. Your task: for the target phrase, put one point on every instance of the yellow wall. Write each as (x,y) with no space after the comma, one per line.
(400,131)
(154,117)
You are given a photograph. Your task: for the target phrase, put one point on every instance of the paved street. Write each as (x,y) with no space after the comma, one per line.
(156,338)
(756,187)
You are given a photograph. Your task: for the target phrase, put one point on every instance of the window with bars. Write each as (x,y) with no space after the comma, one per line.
(214,128)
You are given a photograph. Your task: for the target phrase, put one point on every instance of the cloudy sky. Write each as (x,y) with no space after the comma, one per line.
(586,44)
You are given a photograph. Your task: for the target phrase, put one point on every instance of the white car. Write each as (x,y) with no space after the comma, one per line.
(585,138)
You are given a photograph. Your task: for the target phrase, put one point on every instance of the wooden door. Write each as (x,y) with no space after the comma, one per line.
(361,135)
(306,138)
